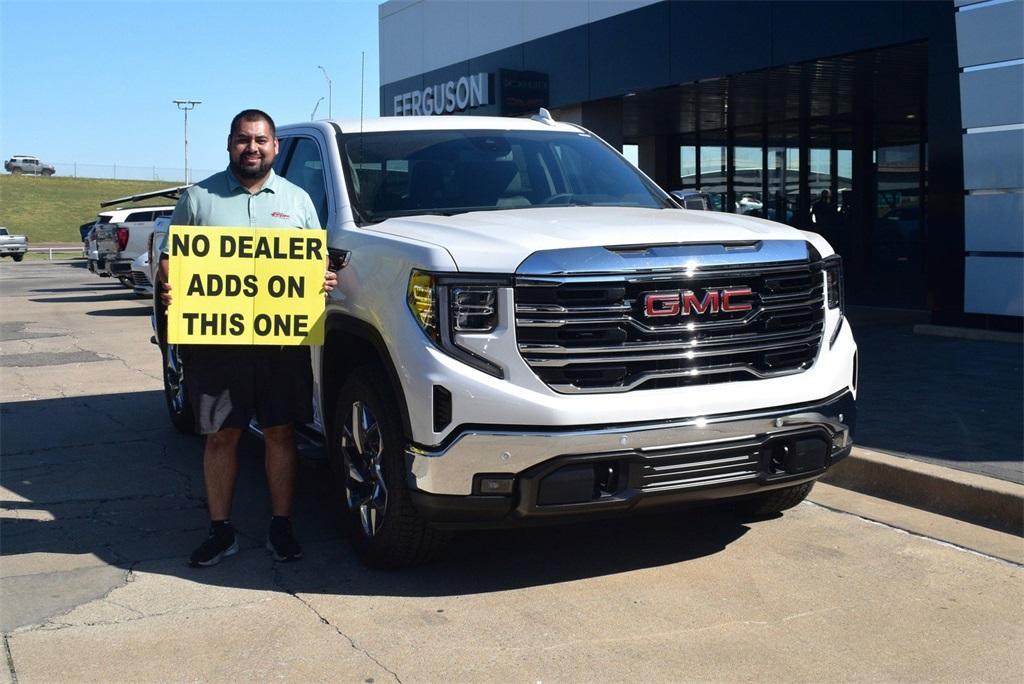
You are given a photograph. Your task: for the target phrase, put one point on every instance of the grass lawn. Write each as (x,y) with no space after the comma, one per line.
(51,209)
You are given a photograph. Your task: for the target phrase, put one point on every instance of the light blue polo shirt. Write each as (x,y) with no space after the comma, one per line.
(221,200)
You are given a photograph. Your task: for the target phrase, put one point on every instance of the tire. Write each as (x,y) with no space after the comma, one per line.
(47,172)
(368,461)
(17,257)
(176,398)
(776,501)
(16,171)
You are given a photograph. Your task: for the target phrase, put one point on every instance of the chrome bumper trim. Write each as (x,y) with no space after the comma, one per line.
(450,470)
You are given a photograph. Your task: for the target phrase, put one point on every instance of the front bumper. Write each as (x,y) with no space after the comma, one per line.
(577,472)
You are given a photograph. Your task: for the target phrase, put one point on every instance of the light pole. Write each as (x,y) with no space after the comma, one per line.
(187,106)
(315,107)
(330,98)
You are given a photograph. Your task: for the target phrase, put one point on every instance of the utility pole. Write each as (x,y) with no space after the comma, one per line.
(315,107)
(187,106)
(330,97)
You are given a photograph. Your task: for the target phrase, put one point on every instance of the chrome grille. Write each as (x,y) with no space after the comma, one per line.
(590,333)
(697,466)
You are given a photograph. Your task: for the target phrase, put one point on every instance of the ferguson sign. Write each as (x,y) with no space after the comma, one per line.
(445,98)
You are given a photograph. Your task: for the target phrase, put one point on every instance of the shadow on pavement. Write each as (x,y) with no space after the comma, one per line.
(101,285)
(124,293)
(142,310)
(949,401)
(106,475)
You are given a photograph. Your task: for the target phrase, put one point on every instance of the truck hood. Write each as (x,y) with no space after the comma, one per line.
(498,241)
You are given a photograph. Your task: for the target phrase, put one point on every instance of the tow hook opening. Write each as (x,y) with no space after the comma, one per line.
(797,454)
(580,483)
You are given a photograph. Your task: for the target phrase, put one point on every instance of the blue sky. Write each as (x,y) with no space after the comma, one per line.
(92,82)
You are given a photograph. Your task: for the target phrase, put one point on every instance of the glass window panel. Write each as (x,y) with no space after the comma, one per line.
(783,183)
(712,175)
(688,166)
(748,175)
(823,204)
(632,153)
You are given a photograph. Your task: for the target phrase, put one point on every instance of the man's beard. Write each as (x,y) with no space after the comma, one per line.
(251,172)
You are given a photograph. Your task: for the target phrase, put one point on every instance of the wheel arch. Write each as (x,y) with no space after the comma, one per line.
(349,343)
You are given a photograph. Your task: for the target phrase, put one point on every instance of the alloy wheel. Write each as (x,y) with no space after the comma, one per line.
(174,379)
(362,449)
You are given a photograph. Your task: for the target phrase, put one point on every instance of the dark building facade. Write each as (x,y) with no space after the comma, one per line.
(846,118)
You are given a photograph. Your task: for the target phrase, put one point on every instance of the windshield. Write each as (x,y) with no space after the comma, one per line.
(451,172)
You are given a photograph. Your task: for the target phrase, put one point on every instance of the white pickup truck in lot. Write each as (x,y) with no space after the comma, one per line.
(123,237)
(14,246)
(528,329)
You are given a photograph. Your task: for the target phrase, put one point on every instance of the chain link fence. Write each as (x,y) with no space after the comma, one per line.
(119,172)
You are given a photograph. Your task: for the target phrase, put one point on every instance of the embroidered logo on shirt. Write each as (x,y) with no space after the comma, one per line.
(278,214)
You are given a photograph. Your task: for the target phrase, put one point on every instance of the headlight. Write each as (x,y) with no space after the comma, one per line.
(833,267)
(474,309)
(422,299)
(450,307)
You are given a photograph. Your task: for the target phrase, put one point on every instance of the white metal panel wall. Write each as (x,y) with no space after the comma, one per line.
(417,36)
(995,222)
(992,97)
(997,287)
(992,160)
(989,34)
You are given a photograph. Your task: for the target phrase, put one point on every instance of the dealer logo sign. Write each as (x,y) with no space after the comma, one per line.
(688,302)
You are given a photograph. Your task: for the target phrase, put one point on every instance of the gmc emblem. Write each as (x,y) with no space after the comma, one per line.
(687,302)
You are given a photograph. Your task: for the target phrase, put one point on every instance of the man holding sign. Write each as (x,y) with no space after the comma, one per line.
(235,323)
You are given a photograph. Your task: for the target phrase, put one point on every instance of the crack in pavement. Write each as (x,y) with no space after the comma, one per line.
(10,661)
(49,625)
(52,626)
(279,583)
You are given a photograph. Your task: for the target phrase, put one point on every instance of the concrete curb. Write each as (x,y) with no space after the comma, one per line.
(977,499)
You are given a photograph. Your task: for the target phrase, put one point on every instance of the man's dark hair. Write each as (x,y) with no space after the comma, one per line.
(252,115)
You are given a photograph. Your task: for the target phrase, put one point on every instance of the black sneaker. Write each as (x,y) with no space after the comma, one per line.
(280,541)
(221,543)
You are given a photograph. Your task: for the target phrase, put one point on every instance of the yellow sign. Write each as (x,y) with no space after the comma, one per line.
(246,285)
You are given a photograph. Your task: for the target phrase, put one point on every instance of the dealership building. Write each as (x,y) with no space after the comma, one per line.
(896,129)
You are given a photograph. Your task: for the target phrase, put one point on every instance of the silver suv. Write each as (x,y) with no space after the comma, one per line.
(21,163)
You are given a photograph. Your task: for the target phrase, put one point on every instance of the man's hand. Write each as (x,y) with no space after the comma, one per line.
(330,280)
(162,278)
(165,296)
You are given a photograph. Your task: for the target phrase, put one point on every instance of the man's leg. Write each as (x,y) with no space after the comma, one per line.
(220,468)
(281,465)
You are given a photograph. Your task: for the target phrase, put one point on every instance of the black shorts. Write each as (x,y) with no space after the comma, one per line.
(229,384)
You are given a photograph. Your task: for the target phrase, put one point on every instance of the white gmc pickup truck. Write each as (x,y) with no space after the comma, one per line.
(529,329)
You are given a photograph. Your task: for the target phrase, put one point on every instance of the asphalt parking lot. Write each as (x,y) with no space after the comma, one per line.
(102,501)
